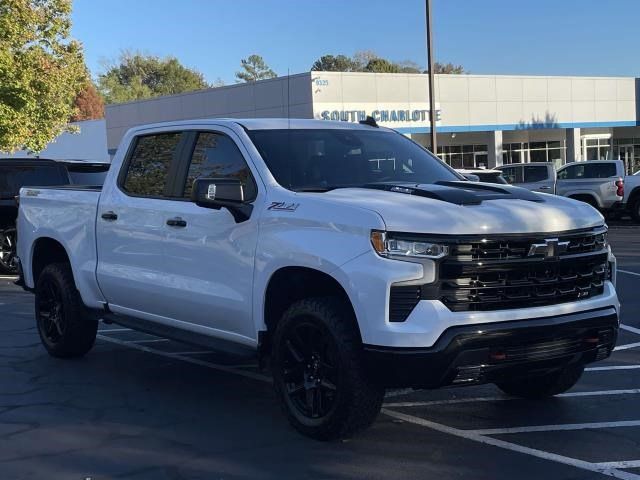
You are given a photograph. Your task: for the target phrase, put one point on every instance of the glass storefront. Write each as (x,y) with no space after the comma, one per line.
(525,152)
(627,150)
(596,148)
(465,156)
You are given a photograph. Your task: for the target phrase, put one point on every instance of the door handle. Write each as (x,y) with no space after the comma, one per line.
(109,216)
(176,222)
(545,187)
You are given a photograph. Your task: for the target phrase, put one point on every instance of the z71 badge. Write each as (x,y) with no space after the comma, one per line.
(283,206)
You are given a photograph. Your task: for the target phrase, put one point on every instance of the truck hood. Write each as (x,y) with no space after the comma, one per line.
(450,212)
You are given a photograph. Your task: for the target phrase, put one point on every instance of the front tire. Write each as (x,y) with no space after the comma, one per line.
(318,372)
(543,386)
(64,325)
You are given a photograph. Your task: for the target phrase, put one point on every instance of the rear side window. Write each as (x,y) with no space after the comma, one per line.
(149,164)
(588,170)
(535,173)
(512,174)
(215,155)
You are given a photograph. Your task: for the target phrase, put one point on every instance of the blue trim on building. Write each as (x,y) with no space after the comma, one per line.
(517,126)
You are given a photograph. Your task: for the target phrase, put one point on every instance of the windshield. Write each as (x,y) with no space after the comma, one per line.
(333,158)
(12,178)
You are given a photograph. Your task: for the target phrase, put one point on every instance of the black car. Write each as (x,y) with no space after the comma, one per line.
(14,174)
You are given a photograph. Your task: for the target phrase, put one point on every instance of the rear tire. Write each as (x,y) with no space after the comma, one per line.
(318,372)
(8,261)
(65,327)
(635,209)
(544,386)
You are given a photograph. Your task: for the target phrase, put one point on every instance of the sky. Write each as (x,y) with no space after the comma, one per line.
(536,37)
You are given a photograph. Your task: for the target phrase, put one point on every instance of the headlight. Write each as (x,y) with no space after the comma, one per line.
(391,245)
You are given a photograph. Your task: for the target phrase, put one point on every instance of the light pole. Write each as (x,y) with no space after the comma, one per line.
(432,96)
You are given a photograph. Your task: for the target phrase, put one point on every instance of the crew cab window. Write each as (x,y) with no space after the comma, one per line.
(512,174)
(587,170)
(535,173)
(149,164)
(217,156)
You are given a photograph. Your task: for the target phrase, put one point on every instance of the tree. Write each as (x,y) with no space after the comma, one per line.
(41,72)
(339,63)
(89,104)
(254,68)
(137,76)
(409,66)
(362,58)
(381,65)
(448,68)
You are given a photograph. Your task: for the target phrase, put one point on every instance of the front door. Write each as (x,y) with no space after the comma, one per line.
(209,256)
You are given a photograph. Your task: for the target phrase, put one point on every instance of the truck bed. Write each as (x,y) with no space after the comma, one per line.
(66,215)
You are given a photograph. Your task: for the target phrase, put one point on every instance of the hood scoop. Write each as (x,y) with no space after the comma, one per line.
(461,193)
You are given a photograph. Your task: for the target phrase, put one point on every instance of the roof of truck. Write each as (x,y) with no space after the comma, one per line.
(266,124)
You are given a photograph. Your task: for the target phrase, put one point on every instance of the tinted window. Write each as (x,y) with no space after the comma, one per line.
(149,164)
(14,177)
(330,158)
(216,156)
(535,173)
(588,170)
(512,174)
(490,177)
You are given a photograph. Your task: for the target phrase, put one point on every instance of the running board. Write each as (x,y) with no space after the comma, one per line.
(180,335)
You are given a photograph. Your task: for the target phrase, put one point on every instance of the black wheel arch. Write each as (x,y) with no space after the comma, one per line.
(291,284)
(46,251)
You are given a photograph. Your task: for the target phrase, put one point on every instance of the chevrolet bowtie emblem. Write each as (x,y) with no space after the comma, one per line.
(551,248)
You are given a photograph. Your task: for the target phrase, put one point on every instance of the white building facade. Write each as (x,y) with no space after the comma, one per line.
(483,120)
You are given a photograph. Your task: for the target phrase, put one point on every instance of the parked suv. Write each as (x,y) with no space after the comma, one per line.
(15,173)
(347,257)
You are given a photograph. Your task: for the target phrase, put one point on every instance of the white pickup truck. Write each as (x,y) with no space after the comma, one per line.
(348,258)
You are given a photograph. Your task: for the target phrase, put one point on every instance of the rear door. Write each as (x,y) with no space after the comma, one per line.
(538,178)
(512,174)
(131,226)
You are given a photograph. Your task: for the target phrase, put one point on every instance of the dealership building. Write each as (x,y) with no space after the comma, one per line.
(482,120)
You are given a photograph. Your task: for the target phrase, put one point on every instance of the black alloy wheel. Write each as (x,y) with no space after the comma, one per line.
(8,259)
(310,370)
(50,312)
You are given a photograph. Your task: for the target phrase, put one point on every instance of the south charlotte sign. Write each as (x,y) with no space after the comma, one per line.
(380,116)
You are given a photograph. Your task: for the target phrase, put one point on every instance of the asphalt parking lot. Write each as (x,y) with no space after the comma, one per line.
(142,407)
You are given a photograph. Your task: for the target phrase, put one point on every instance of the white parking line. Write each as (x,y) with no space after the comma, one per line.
(469,435)
(195,361)
(597,393)
(630,329)
(150,340)
(612,367)
(556,428)
(629,273)
(622,464)
(626,347)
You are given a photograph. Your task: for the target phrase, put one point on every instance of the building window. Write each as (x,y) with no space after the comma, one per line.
(465,156)
(525,152)
(627,150)
(596,148)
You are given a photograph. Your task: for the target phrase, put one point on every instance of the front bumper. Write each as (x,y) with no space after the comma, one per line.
(490,352)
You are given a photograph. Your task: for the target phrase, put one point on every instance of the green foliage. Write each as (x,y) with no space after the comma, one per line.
(137,76)
(339,63)
(254,68)
(381,65)
(369,61)
(41,72)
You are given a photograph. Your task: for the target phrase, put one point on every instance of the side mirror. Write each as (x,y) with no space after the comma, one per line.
(217,193)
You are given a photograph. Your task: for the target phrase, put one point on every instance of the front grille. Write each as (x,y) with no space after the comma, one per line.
(495,274)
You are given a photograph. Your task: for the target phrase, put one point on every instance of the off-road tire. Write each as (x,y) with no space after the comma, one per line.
(357,400)
(543,386)
(76,332)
